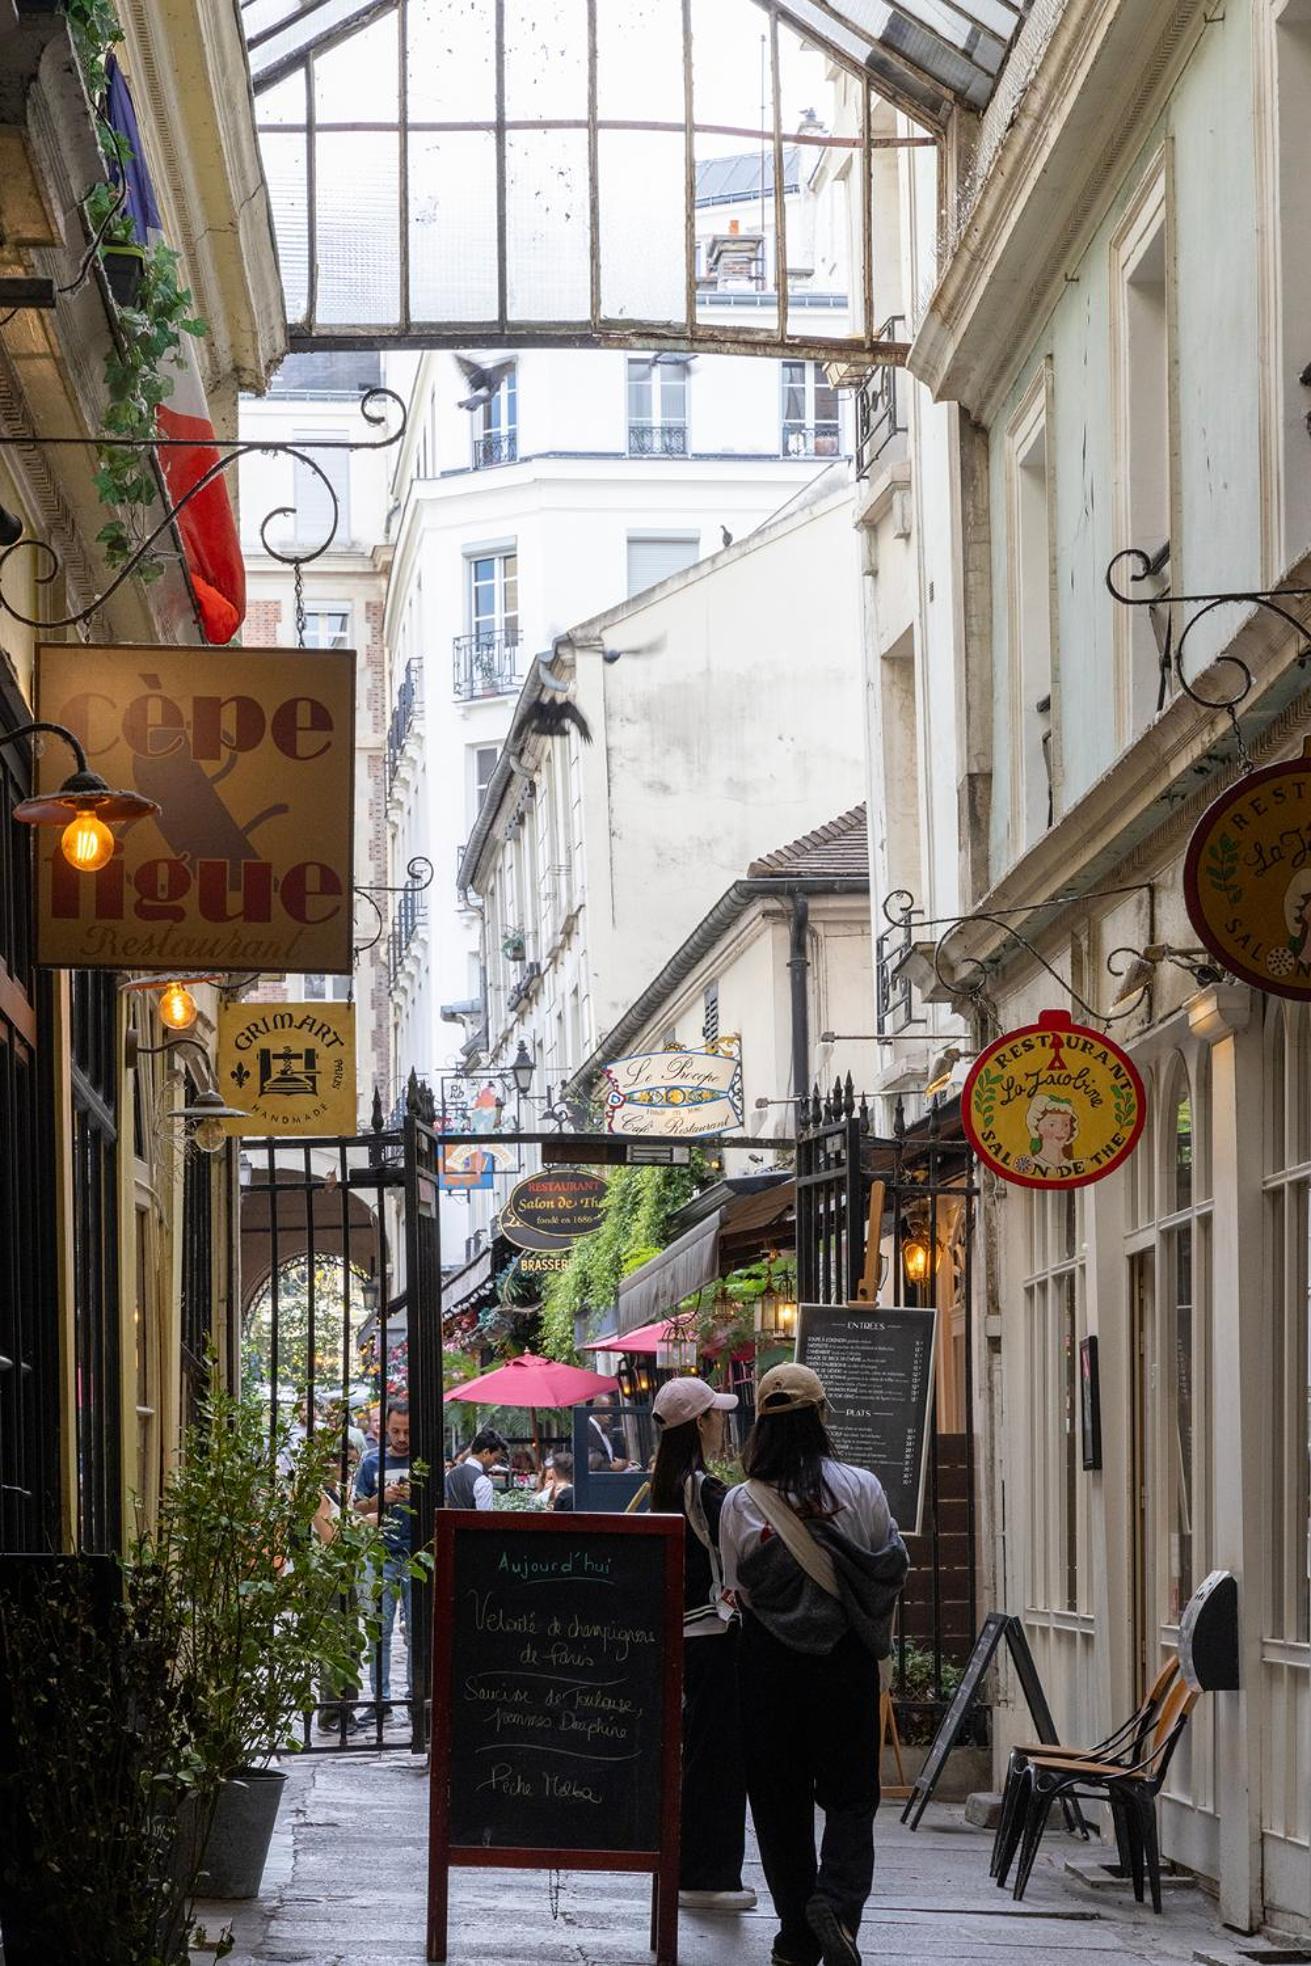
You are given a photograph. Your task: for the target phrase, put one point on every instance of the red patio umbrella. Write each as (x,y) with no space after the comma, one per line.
(647,1338)
(531,1381)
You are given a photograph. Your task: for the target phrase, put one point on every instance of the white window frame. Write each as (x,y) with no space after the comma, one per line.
(1287,1186)
(495,624)
(812,381)
(1031,609)
(307,528)
(316,610)
(1059,1569)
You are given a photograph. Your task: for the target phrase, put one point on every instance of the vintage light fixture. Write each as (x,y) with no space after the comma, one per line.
(776,1310)
(371,1292)
(916,1257)
(1142,968)
(522,1067)
(84,806)
(635,1381)
(177,1007)
(205,1113)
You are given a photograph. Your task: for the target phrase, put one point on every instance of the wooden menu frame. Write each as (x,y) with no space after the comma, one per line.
(444,1856)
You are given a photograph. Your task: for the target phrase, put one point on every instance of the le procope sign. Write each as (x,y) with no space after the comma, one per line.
(249,754)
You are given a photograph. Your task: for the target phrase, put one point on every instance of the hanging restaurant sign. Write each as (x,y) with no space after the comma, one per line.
(550,1211)
(249,754)
(289,1067)
(684,1094)
(1247,878)
(1054,1105)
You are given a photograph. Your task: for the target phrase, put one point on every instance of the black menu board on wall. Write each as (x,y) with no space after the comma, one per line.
(877,1368)
(557,1689)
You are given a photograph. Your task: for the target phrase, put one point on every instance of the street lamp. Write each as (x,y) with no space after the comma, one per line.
(206,1113)
(84,806)
(522,1068)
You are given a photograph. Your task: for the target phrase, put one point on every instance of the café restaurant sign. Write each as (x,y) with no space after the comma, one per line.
(676,1093)
(1247,878)
(550,1211)
(1054,1105)
(290,1067)
(249,754)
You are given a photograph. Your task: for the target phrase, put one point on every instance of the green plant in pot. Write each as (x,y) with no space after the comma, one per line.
(270,1608)
(98,1754)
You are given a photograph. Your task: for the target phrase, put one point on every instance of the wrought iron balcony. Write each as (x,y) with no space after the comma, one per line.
(486,662)
(657,439)
(408,917)
(406,712)
(812,439)
(497,447)
(880,414)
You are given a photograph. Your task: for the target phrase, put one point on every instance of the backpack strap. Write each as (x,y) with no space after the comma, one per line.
(783,1519)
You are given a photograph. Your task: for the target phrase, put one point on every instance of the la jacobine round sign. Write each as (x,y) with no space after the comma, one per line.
(1054,1105)
(1247,878)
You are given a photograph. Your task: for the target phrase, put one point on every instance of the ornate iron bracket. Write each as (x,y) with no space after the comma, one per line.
(1141,566)
(420,874)
(376,406)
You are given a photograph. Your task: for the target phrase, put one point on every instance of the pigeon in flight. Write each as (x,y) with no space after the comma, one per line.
(553,718)
(483,383)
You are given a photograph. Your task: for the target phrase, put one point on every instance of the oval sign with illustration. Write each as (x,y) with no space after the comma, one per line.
(551,1210)
(1055,1105)
(1247,878)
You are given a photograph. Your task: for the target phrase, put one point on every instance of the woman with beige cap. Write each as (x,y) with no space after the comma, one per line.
(689,1418)
(815,1562)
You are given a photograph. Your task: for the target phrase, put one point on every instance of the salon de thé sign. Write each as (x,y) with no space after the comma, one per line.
(249,754)
(1053,1105)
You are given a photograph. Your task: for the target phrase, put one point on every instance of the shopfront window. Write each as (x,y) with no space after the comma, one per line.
(1288,1210)
(1054,1300)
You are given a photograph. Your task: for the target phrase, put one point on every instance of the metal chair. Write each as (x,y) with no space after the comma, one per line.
(1123,1746)
(1130,1789)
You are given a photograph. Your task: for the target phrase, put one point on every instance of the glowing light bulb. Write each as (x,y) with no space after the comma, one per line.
(87,843)
(915,1259)
(177,1007)
(209,1135)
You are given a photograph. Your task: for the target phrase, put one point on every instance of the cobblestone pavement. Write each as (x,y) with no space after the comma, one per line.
(345,1886)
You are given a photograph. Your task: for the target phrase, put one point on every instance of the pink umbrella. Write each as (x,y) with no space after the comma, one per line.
(647,1338)
(533,1382)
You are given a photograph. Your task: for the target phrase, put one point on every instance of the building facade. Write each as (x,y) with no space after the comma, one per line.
(114,1232)
(1096,275)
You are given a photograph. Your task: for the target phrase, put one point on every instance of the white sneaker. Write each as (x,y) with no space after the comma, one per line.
(743,1900)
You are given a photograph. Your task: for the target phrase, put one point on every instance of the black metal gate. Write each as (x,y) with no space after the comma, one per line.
(339,1245)
(927,1227)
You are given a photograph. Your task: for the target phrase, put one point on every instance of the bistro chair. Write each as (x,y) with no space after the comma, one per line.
(1130,1789)
(1124,1746)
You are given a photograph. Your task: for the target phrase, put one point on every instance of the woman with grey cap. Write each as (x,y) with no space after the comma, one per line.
(689,1418)
(814,1561)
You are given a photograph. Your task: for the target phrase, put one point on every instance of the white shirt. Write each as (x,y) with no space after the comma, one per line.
(484,1495)
(861,1513)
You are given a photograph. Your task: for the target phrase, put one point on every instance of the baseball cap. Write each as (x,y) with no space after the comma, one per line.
(685,1398)
(786,1387)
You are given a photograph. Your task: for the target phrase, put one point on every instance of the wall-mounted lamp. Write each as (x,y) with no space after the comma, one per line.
(204,1114)
(1144,963)
(371,1292)
(84,805)
(776,1309)
(916,1258)
(635,1381)
(522,1067)
(175,1003)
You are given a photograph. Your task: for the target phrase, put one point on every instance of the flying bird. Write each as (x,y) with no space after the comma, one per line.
(483,383)
(553,719)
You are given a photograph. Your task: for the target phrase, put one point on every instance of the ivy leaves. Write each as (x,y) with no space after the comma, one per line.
(638,1204)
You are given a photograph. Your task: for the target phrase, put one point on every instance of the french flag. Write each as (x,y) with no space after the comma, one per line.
(206,524)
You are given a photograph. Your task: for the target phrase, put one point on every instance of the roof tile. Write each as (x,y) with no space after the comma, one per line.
(840,848)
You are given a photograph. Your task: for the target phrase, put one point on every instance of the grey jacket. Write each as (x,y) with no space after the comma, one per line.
(803,1616)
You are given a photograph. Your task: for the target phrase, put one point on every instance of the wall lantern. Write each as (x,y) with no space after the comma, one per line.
(206,1113)
(776,1309)
(371,1292)
(635,1381)
(916,1258)
(522,1068)
(175,1000)
(84,806)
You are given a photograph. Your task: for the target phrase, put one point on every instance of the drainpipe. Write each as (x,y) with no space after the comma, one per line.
(798,967)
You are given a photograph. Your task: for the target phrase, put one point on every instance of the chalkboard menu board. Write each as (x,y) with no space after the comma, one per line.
(877,1368)
(557,1691)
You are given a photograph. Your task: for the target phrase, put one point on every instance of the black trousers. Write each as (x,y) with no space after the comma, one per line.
(714,1779)
(811,1737)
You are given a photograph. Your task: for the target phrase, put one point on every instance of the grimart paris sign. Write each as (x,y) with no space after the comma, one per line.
(250,756)
(290,1067)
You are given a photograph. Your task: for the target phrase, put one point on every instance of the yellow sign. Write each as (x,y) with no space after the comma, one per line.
(1055,1105)
(1247,878)
(250,756)
(290,1067)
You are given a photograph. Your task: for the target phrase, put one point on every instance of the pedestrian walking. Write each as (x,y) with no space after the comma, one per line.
(390,1473)
(689,1418)
(816,1564)
(469,1484)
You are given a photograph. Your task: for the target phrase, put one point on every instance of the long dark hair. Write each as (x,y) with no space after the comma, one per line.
(787,1451)
(677,1456)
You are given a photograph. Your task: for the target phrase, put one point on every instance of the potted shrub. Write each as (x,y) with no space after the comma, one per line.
(267,1610)
(97,1753)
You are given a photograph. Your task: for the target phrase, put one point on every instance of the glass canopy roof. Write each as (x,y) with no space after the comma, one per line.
(596,173)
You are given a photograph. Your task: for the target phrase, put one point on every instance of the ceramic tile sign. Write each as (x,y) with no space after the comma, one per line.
(290,1067)
(676,1093)
(1247,878)
(249,754)
(1054,1105)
